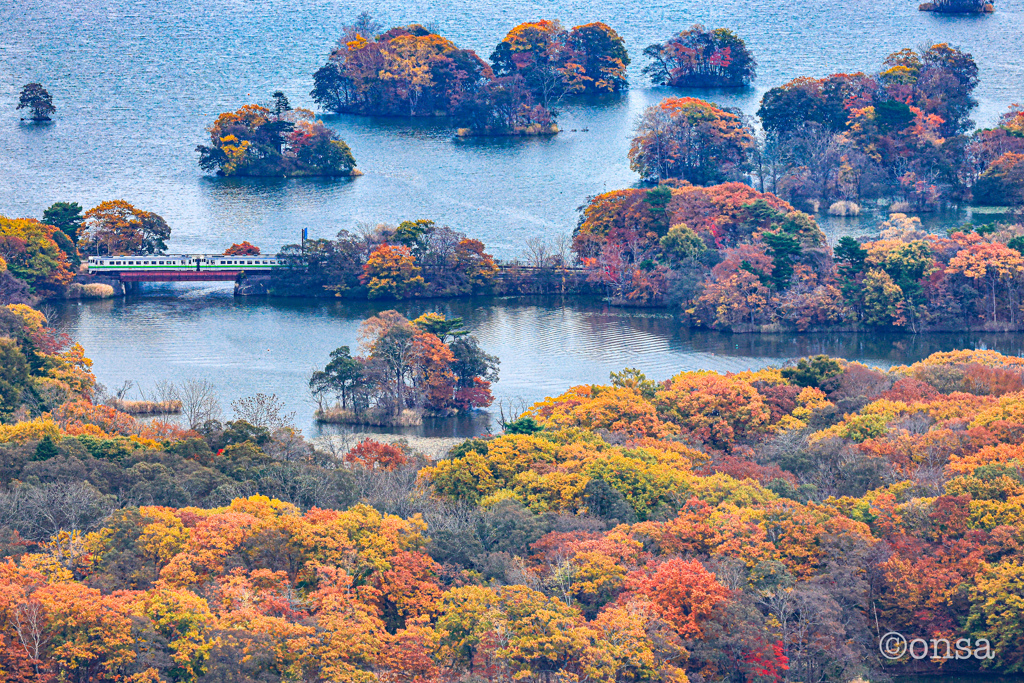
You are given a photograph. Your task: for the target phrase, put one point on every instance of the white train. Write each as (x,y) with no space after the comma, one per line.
(182,262)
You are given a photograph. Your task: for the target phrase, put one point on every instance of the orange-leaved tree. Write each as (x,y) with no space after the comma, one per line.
(243,249)
(117,227)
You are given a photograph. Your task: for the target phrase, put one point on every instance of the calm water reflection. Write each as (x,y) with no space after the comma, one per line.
(545,345)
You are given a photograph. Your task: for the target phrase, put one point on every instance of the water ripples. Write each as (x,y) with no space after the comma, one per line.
(136,83)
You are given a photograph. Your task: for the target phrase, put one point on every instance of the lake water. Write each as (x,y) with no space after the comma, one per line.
(545,345)
(136,82)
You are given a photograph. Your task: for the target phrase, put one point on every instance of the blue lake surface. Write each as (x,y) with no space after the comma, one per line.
(136,82)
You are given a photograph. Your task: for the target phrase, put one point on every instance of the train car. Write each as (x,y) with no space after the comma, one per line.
(181,263)
(216,263)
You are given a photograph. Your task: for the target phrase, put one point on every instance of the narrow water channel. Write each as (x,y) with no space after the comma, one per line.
(244,346)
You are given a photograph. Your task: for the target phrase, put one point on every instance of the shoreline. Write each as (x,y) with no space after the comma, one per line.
(663,310)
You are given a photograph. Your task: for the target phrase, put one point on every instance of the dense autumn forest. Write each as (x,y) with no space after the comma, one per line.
(759,526)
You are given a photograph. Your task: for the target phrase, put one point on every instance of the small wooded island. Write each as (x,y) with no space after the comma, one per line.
(411,368)
(276,141)
(701,58)
(410,71)
(958,6)
(37,100)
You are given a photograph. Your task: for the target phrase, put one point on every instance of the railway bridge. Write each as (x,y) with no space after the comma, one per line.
(132,270)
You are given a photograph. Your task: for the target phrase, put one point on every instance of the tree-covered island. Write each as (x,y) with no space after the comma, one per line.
(409,71)
(275,140)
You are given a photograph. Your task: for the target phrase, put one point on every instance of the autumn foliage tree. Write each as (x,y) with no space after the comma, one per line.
(554,62)
(373,454)
(685,593)
(117,227)
(243,249)
(1002,182)
(30,252)
(391,272)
